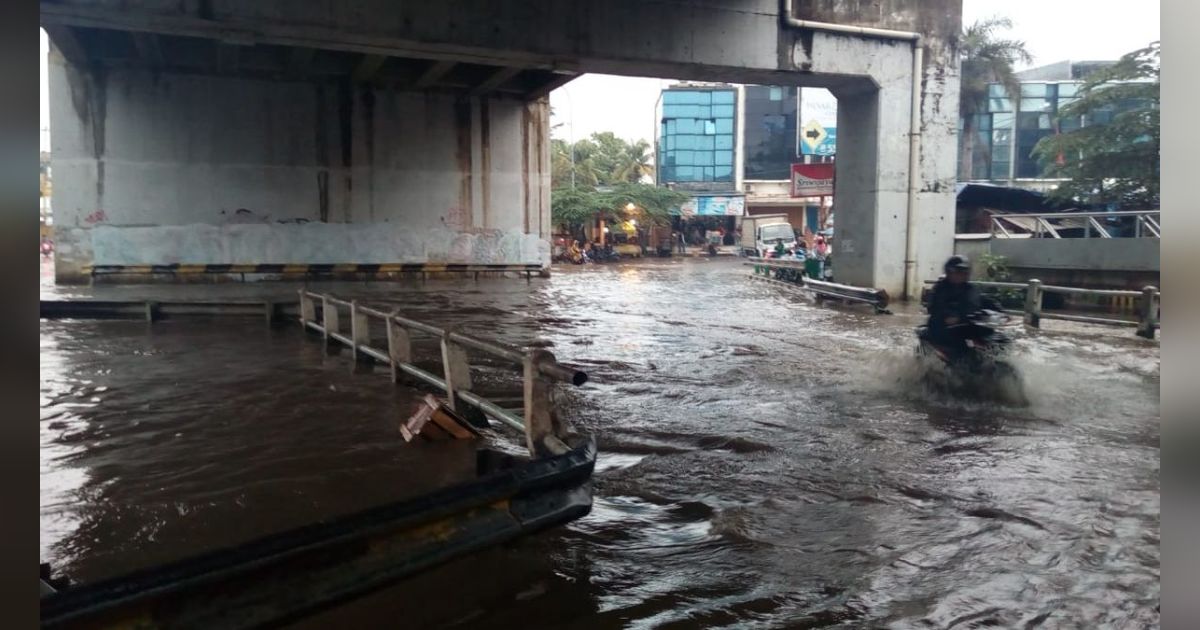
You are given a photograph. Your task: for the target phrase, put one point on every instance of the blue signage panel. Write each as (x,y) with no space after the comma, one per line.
(827,145)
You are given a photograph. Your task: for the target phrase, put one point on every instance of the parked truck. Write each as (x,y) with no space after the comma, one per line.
(761,233)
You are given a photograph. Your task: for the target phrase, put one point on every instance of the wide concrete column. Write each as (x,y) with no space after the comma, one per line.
(872,170)
(160,168)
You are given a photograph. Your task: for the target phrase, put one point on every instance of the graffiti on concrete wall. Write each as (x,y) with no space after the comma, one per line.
(246,215)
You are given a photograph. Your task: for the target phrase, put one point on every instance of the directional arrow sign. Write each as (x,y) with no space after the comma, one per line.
(813,134)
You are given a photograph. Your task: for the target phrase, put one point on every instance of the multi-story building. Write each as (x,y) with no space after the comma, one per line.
(732,148)
(1000,150)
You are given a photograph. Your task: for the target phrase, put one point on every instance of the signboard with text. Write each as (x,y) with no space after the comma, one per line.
(818,122)
(725,206)
(812,180)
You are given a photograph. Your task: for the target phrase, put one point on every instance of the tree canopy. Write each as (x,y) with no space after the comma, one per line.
(603,159)
(651,205)
(608,178)
(1115,162)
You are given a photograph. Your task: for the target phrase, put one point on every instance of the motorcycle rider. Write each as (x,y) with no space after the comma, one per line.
(953,301)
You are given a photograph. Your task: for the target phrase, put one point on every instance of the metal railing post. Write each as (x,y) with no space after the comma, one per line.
(541,430)
(399,347)
(308,310)
(360,329)
(457,368)
(330,315)
(1033,304)
(1148,323)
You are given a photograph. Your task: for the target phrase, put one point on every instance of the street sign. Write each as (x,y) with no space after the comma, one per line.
(812,135)
(818,111)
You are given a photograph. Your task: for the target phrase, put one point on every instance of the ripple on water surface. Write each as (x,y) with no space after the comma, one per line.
(765,462)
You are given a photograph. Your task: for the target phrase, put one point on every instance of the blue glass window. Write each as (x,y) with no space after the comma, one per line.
(724,125)
(723,97)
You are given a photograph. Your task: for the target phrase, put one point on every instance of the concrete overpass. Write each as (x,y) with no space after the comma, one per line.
(364,131)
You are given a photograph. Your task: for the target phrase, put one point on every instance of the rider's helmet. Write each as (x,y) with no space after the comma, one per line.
(957,263)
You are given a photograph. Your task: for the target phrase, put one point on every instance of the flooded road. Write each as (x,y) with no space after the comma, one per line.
(765,462)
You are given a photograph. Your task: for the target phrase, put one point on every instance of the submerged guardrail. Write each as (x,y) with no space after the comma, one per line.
(1148,301)
(791,273)
(283,577)
(540,368)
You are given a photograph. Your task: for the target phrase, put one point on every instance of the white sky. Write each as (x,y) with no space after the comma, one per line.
(1053,30)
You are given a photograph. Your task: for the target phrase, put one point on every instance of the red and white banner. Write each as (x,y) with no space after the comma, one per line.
(812,180)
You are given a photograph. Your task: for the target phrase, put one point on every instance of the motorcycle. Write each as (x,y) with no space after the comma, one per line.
(981,365)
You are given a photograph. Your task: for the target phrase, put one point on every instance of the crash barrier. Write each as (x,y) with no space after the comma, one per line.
(381,271)
(1145,224)
(1148,305)
(153,310)
(540,369)
(791,273)
(283,577)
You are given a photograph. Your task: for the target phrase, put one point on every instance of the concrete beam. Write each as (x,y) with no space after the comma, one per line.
(67,43)
(227,58)
(558,80)
(368,67)
(149,49)
(245,32)
(299,59)
(495,80)
(436,70)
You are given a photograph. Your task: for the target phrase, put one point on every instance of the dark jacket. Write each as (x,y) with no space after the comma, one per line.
(950,300)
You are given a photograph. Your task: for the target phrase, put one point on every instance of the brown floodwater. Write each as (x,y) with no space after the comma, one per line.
(764,462)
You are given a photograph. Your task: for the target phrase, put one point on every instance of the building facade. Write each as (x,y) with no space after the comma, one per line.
(1000,150)
(698,138)
(732,148)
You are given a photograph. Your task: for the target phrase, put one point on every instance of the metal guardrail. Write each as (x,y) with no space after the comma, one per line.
(791,273)
(280,578)
(542,430)
(1146,223)
(1148,299)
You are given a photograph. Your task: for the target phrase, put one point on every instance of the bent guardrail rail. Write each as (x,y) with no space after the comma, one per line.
(1148,299)
(283,577)
(791,273)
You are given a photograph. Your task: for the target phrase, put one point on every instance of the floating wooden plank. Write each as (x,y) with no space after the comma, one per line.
(435,421)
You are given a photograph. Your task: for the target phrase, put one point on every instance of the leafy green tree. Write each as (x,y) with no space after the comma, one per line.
(575,207)
(1117,161)
(986,58)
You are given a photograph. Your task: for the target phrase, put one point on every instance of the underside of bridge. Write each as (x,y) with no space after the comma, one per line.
(209,132)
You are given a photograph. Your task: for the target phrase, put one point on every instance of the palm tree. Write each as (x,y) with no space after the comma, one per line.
(986,59)
(634,163)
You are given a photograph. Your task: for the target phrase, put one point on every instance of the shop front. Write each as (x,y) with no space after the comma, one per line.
(709,219)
